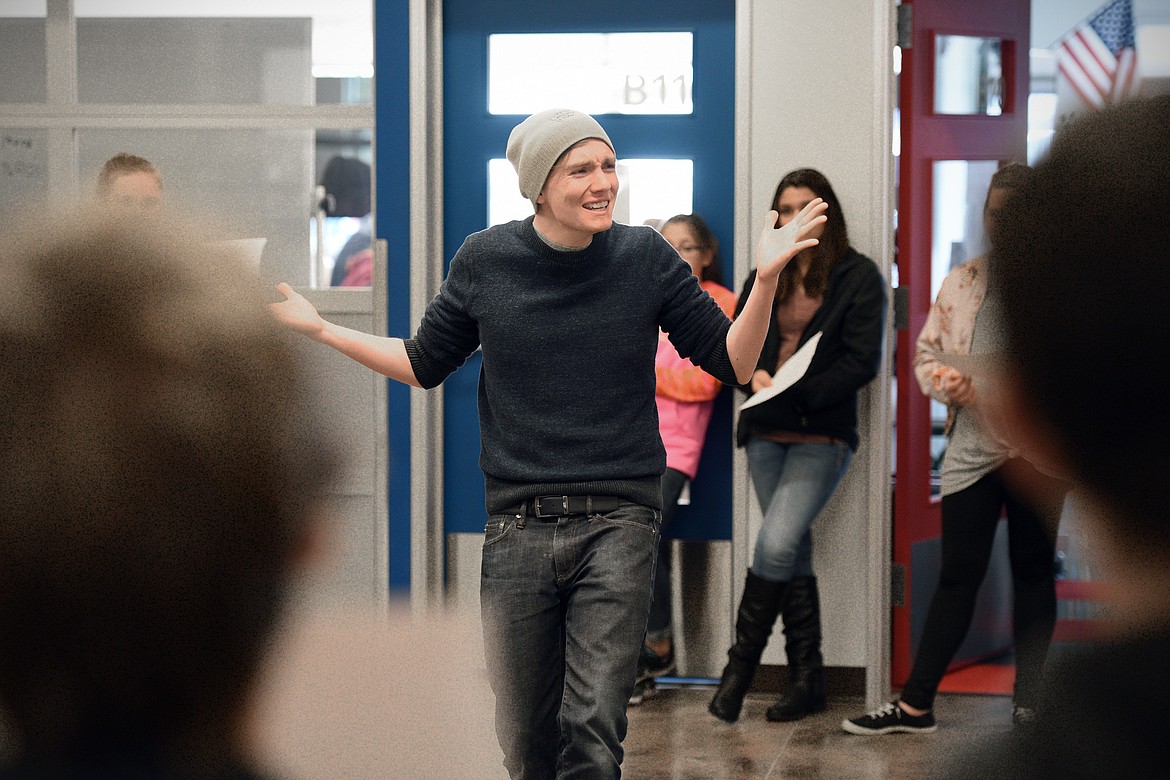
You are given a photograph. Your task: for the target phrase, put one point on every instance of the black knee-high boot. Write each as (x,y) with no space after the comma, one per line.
(802,630)
(753,625)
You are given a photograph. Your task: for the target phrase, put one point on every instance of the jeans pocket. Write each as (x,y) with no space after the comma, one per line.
(497,528)
(633,515)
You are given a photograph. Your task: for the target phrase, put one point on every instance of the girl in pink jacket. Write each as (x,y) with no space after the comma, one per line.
(686,396)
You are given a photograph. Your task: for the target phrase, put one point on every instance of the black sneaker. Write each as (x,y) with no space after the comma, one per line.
(891,719)
(651,665)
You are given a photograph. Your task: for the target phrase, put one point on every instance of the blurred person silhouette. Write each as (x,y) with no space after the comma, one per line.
(347,183)
(130,183)
(1082,267)
(162,465)
(360,269)
(685,397)
(567,306)
(800,443)
(979,473)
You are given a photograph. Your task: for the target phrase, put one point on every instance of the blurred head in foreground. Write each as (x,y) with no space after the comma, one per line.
(1082,262)
(161,468)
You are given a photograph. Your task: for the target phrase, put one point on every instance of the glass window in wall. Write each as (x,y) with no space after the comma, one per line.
(274,52)
(24,166)
(225,61)
(252,183)
(305,187)
(598,73)
(340,234)
(22,46)
(241,184)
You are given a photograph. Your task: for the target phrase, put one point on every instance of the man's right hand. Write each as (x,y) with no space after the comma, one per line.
(296,313)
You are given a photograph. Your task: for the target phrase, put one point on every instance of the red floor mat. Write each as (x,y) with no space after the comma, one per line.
(980,678)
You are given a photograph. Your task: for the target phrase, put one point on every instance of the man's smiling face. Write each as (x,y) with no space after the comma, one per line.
(578,196)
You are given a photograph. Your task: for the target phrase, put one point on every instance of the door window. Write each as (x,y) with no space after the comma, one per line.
(598,73)
(968,75)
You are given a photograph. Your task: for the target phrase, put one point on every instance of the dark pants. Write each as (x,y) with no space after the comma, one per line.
(658,626)
(564,604)
(969,521)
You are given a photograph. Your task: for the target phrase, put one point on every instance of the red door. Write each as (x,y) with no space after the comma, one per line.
(959,101)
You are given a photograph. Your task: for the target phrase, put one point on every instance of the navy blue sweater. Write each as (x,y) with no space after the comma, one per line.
(566,391)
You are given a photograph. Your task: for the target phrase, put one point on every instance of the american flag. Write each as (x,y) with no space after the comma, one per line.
(1097,59)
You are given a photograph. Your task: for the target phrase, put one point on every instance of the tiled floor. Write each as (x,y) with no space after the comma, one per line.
(672,736)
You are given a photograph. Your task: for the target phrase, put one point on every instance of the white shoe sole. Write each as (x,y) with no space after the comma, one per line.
(853,728)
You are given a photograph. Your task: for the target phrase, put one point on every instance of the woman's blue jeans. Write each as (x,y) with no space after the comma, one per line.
(564,604)
(793,483)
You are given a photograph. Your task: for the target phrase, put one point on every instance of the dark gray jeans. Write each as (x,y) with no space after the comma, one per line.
(564,604)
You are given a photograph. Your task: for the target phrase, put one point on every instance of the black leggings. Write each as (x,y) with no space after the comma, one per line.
(969,520)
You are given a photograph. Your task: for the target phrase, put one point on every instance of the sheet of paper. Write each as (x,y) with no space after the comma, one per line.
(249,250)
(980,364)
(793,369)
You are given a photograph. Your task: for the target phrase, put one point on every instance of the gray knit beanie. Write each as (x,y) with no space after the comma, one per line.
(538,142)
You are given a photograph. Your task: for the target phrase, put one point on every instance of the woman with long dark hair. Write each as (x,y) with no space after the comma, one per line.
(799,443)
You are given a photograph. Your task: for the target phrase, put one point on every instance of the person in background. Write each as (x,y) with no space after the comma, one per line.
(977,487)
(800,442)
(567,306)
(685,396)
(163,466)
(361,269)
(347,183)
(1082,269)
(130,183)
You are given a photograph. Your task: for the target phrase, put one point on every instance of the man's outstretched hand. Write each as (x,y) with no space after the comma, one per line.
(295,312)
(779,245)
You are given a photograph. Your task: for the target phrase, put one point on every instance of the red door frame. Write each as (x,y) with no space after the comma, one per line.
(928,137)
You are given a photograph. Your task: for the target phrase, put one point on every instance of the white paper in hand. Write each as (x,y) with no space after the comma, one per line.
(793,369)
(978,364)
(249,250)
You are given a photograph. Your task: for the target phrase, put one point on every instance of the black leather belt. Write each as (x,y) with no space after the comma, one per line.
(561,506)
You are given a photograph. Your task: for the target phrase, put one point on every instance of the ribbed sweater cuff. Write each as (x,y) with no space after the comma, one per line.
(718,365)
(429,372)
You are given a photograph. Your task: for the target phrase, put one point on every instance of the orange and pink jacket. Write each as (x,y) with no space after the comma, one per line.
(685,395)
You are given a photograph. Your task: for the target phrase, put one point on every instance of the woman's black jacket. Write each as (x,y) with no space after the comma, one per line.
(824,400)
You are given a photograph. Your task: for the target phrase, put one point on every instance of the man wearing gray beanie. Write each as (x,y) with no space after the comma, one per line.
(567,306)
(536,143)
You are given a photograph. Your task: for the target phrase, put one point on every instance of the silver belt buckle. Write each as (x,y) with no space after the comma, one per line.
(538,501)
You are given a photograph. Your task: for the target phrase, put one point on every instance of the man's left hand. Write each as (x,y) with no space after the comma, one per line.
(779,245)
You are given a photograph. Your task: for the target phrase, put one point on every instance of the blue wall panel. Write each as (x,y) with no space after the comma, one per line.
(392,221)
